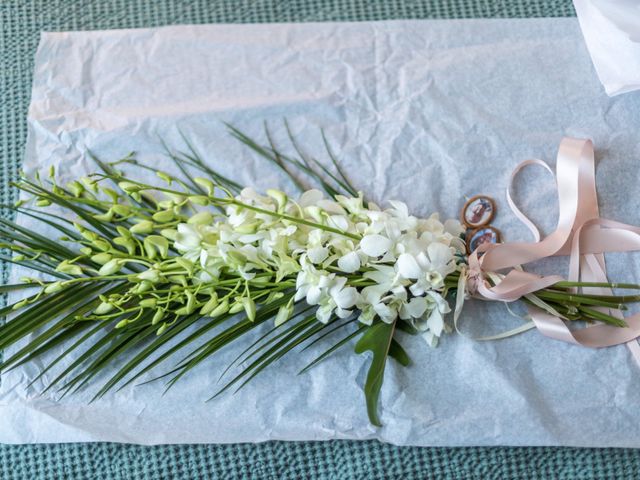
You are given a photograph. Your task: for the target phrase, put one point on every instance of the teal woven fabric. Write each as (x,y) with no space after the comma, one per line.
(20,23)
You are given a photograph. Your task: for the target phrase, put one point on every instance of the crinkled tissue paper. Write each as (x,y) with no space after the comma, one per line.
(611,29)
(427,112)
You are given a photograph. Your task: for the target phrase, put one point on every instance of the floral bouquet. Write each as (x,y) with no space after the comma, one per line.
(141,272)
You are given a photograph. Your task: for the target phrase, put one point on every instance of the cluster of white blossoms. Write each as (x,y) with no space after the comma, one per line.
(345,256)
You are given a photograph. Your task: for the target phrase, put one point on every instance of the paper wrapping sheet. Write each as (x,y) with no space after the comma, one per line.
(427,112)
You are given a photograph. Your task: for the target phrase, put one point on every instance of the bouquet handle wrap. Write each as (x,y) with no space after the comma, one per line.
(581,234)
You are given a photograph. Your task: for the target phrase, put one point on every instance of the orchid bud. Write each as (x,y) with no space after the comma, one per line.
(127,243)
(111,267)
(101,258)
(122,210)
(103,308)
(169,233)
(53,287)
(211,304)
(165,177)
(279,196)
(163,216)
(156,244)
(249,308)
(105,217)
(76,188)
(201,218)
(284,313)
(68,268)
(162,329)
(152,275)
(157,316)
(143,286)
(206,184)
(221,309)
(148,303)
(129,187)
(101,244)
(143,227)
(199,200)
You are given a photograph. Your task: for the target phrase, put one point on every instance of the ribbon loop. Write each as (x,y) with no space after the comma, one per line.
(580,234)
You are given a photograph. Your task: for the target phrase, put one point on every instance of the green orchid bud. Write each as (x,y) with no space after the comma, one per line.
(122,323)
(20,304)
(52,171)
(101,258)
(19,258)
(124,232)
(273,296)
(157,316)
(152,275)
(121,210)
(188,265)
(148,303)
(127,243)
(199,200)
(112,194)
(162,329)
(261,280)
(53,287)
(284,313)
(280,198)
(163,216)
(90,183)
(249,307)
(165,177)
(112,266)
(76,188)
(43,202)
(86,251)
(236,258)
(247,228)
(89,235)
(236,307)
(176,197)
(102,245)
(69,268)
(165,204)
(207,184)
(129,187)
(178,279)
(201,218)
(315,213)
(211,304)
(156,244)
(143,227)
(169,233)
(191,301)
(103,308)
(144,286)
(105,217)
(221,309)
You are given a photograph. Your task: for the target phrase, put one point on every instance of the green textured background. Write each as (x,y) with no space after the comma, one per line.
(20,23)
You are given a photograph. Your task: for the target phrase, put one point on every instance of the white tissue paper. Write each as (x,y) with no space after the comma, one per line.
(428,112)
(611,29)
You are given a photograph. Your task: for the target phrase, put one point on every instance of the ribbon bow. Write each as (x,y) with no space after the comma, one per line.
(581,234)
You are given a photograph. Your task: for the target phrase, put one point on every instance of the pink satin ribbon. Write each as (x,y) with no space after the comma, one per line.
(581,234)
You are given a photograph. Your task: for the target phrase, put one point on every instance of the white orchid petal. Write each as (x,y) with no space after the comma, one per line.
(375,245)
(346,298)
(349,263)
(408,267)
(318,254)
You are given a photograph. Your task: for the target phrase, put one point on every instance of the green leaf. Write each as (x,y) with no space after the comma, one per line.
(377,339)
